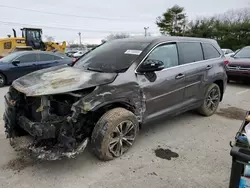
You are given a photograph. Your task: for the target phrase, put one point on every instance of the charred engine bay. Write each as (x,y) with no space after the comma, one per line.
(56,130)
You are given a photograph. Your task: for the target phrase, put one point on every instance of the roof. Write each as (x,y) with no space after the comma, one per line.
(36,51)
(12,38)
(166,38)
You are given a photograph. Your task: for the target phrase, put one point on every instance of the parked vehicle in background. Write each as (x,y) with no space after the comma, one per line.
(228,52)
(238,67)
(237,51)
(20,63)
(112,90)
(70,53)
(79,53)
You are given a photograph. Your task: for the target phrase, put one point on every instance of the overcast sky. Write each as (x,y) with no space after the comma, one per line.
(96,19)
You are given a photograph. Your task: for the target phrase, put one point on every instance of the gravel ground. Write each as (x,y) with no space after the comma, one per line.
(186,151)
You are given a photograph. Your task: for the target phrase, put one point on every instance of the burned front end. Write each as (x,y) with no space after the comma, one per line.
(53,128)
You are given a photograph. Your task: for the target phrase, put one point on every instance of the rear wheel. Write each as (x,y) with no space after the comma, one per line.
(211,101)
(114,134)
(2,80)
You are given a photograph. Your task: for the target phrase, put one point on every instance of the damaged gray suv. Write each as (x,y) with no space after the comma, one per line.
(110,92)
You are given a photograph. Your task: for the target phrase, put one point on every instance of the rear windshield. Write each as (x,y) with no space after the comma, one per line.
(114,56)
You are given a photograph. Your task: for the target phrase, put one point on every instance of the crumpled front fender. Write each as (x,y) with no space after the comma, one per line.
(129,93)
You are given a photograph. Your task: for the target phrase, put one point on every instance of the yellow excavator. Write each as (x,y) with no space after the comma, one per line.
(31,40)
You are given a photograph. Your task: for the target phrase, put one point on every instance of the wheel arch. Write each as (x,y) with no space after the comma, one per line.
(114,104)
(6,79)
(220,83)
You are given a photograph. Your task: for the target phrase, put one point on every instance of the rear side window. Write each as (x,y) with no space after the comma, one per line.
(46,57)
(210,51)
(190,52)
(27,58)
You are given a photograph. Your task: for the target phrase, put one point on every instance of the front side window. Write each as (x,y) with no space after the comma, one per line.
(190,52)
(114,56)
(27,58)
(210,51)
(166,53)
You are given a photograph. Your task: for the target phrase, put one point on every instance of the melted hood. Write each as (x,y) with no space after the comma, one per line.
(60,79)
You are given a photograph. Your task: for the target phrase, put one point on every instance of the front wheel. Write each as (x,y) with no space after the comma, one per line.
(2,80)
(114,134)
(211,100)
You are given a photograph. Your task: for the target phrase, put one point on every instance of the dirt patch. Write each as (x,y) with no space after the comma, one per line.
(232,113)
(18,164)
(165,153)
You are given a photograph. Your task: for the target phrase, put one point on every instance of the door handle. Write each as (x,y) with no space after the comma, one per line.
(209,67)
(180,76)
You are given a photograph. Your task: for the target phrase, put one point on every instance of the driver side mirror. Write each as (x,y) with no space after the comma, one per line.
(151,65)
(15,62)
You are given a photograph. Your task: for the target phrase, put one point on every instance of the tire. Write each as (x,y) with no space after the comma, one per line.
(107,138)
(207,109)
(2,80)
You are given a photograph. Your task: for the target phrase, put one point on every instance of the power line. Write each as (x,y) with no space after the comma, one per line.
(69,29)
(73,15)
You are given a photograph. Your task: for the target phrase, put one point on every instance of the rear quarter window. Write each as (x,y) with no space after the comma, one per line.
(210,51)
(190,52)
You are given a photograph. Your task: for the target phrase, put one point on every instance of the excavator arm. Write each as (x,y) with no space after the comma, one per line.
(52,46)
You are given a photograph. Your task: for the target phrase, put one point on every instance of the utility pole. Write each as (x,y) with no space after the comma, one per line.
(80,39)
(146,29)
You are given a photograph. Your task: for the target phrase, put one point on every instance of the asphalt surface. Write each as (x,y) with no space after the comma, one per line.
(186,151)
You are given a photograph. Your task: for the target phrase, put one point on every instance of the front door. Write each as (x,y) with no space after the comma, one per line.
(163,90)
(27,64)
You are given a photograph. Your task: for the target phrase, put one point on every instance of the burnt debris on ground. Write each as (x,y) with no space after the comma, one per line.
(19,163)
(232,113)
(165,153)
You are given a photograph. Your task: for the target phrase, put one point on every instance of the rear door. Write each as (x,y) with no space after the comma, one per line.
(194,66)
(215,66)
(47,60)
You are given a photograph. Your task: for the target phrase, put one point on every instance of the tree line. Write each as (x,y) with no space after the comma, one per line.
(231,29)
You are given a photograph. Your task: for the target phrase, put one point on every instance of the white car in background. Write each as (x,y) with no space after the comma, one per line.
(228,52)
(79,53)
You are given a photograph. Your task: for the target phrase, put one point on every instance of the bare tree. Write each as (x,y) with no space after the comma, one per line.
(235,15)
(49,38)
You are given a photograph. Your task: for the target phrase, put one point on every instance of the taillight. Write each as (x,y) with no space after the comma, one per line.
(73,60)
(226,62)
